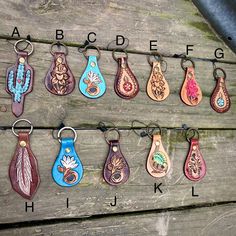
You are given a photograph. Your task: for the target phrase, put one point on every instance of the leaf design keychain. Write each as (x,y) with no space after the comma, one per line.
(92,83)
(191,93)
(195,166)
(126,85)
(116,169)
(23,169)
(20,78)
(220,100)
(67,169)
(59,79)
(157,86)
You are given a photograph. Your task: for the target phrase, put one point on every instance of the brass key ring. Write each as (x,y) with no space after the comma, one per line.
(91,47)
(66,128)
(195,134)
(23,40)
(109,131)
(20,120)
(119,50)
(58,44)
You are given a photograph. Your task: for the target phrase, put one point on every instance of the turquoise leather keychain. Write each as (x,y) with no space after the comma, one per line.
(67,170)
(92,83)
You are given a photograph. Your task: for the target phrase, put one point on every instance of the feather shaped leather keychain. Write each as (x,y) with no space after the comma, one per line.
(191,93)
(92,83)
(20,78)
(126,85)
(220,100)
(67,169)
(195,166)
(23,169)
(59,79)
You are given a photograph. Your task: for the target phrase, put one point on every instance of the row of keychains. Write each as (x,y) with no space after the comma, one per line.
(67,170)
(60,81)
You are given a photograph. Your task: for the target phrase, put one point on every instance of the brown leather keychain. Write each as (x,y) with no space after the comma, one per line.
(59,79)
(23,169)
(157,86)
(191,93)
(220,100)
(126,85)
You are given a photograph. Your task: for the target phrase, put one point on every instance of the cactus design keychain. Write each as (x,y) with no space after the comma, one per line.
(195,166)
(191,93)
(67,170)
(23,169)
(20,78)
(92,83)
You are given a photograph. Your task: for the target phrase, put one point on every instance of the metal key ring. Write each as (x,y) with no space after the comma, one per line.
(120,50)
(23,40)
(58,44)
(183,60)
(156,55)
(195,133)
(216,75)
(110,130)
(91,47)
(66,128)
(150,130)
(20,120)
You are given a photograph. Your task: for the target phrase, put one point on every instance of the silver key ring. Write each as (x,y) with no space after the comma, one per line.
(23,40)
(66,128)
(20,120)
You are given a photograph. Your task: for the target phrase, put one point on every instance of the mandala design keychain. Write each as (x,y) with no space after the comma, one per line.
(23,169)
(157,86)
(116,169)
(126,85)
(191,93)
(220,100)
(20,78)
(59,79)
(67,170)
(92,84)
(195,166)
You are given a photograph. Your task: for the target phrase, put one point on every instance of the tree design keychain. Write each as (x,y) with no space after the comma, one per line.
(195,166)
(157,86)
(220,100)
(126,85)
(67,170)
(23,169)
(191,93)
(20,78)
(92,83)
(59,79)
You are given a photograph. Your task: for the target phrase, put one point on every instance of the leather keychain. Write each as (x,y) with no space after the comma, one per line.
(157,86)
(126,85)
(20,78)
(191,93)
(67,169)
(195,166)
(92,83)
(23,169)
(220,100)
(59,79)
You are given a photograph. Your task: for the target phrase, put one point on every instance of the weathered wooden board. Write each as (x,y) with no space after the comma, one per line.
(47,110)
(93,197)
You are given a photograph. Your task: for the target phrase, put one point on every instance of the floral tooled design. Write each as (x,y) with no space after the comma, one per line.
(192,89)
(195,165)
(92,82)
(159,162)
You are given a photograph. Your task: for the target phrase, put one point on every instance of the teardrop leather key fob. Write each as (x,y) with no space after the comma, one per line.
(191,93)
(195,166)
(59,79)
(23,169)
(220,100)
(20,78)
(92,83)
(116,169)
(67,170)
(126,85)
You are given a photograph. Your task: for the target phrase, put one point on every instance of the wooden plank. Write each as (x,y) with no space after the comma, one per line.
(93,196)
(47,110)
(174,24)
(210,221)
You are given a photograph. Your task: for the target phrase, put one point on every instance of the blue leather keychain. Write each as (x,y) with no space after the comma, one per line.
(92,83)
(67,170)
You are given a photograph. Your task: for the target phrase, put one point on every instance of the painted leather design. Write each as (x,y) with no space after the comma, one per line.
(67,170)
(23,169)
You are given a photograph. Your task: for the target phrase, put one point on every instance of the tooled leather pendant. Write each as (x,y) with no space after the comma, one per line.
(116,169)
(158,161)
(23,170)
(157,86)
